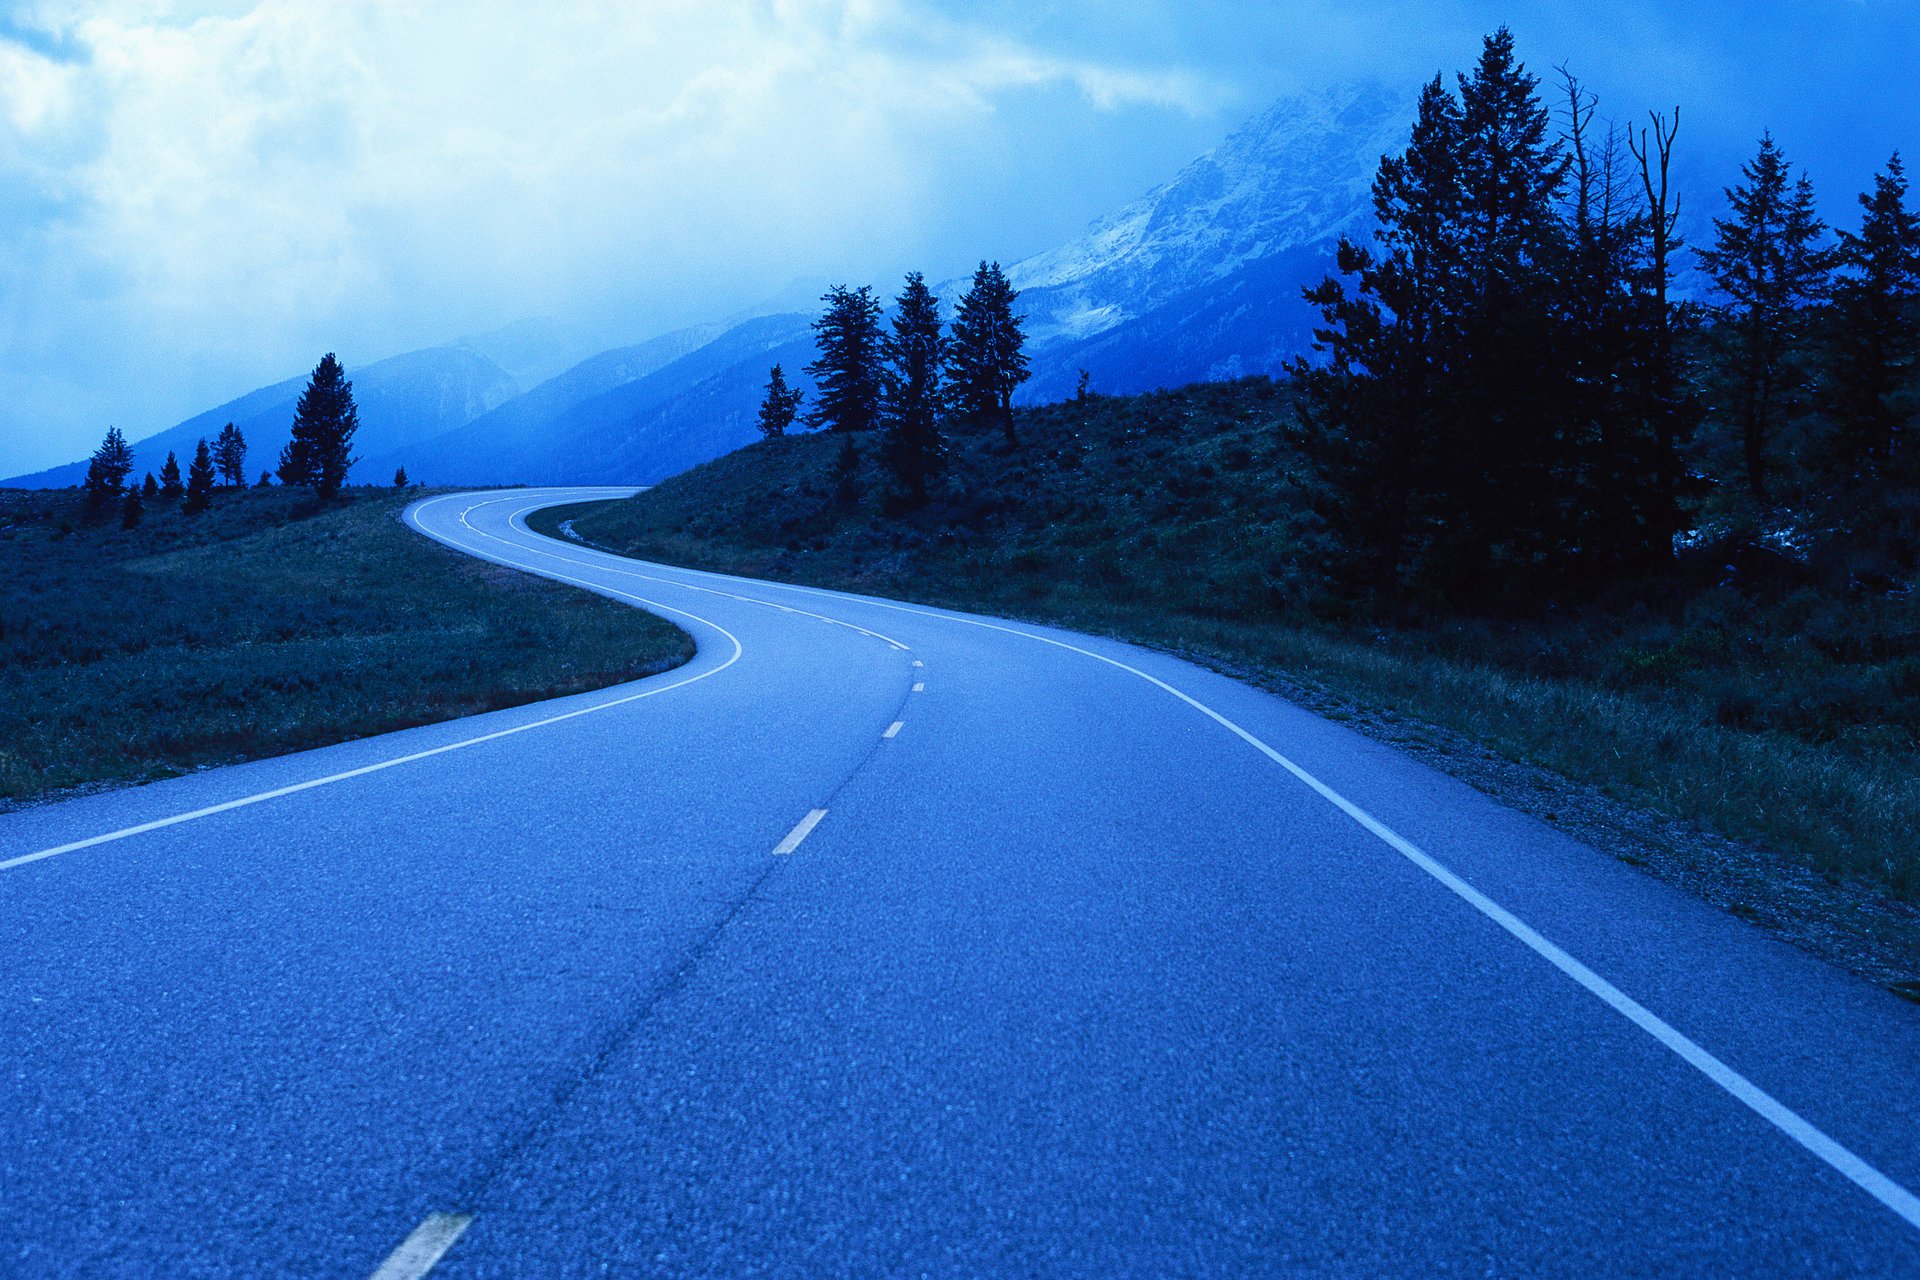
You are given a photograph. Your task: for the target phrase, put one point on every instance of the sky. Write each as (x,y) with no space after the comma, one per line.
(198,199)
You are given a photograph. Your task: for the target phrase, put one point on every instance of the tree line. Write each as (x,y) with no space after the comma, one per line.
(909,381)
(1508,396)
(317,456)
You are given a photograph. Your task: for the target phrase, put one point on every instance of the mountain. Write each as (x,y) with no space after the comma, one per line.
(631,416)
(517,428)
(402,400)
(1200,278)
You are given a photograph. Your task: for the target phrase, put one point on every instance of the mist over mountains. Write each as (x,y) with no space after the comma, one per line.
(1198,279)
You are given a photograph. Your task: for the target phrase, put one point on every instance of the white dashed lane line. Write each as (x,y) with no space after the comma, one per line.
(894,728)
(426,1246)
(800,832)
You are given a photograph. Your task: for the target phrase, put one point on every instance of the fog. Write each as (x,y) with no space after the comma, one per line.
(199,199)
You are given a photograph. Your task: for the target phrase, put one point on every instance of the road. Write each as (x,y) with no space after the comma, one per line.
(880,940)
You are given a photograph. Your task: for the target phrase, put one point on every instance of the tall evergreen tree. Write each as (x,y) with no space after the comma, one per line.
(171,485)
(200,477)
(1372,412)
(987,362)
(150,489)
(1508,497)
(320,451)
(847,371)
(132,508)
(780,406)
(230,455)
(1873,358)
(400,477)
(911,445)
(107,469)
(1768,263)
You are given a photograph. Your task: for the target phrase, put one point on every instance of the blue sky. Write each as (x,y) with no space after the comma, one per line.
(200,198)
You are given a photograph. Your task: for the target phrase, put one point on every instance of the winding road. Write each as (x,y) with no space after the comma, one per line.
(881,940)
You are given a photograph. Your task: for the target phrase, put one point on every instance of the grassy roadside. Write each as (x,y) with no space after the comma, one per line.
(1780,720)
(264,626)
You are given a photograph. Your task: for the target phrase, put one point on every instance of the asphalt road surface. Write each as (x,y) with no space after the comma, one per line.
(884,941)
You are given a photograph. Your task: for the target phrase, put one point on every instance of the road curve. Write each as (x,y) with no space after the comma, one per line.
(887,940)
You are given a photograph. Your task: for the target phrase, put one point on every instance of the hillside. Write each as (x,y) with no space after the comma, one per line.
(1760,713)
(635,430)
(266,625)
(516,437)
(402,400)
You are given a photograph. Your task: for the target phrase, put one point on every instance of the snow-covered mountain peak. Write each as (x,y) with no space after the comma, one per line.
(1296,174)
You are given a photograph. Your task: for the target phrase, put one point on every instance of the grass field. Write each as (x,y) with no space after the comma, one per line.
(1766,712)
(264,626)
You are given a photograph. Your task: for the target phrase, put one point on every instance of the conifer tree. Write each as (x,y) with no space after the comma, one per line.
(1373,412)
(1768,263)
(916,350)
(230,455)
(171,485)
(780,405)
(200,477)
(986,361)
(151,488)
(400,478)
(1506,490)
(107,469)
(847,371)
(265,481)
(1874,356)
(320,451)
(131,509)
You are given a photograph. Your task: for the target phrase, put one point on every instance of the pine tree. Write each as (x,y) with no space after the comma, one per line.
(265,481)
(230,455)
(911,444)
(780,405)
(400,478)
(1372,411)
(107,469)
(199,481)
(131,510)
(1874,355)
(847,371)
(320,451)
(1768,263)
(1508,495)
(171,485)
(987,363)
(151,488)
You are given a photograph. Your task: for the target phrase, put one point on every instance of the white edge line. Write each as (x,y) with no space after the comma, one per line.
(1837,1156)
(428,1243)
(379,765)
(801,830)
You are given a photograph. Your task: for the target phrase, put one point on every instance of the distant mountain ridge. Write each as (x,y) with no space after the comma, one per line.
(1198,279)
(402,400)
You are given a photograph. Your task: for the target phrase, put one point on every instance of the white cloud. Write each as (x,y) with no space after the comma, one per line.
(223,188)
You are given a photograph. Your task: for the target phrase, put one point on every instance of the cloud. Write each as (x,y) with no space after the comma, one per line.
(228,187)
